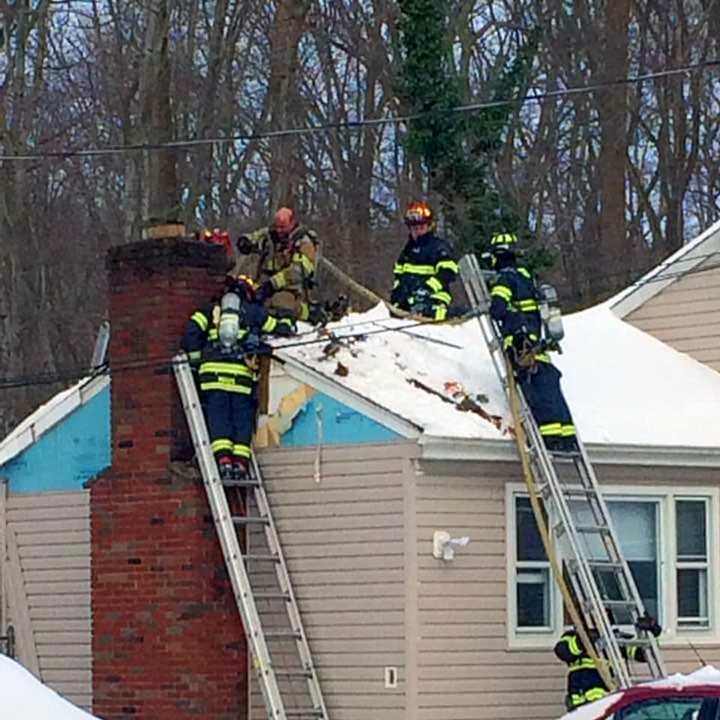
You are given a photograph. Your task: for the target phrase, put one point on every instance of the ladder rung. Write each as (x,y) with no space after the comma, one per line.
(282,635)
(249,520)
(240,483)
(262,558)
(636,641)
(618,603)
(592,529)
(304,713)
(605,564)
(272,596)
(293,673)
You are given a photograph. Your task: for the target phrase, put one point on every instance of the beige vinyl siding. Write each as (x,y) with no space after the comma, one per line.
(465,669)
(343,540)
(686,314)
(53,540)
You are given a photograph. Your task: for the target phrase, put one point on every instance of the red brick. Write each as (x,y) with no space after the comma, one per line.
(154,553)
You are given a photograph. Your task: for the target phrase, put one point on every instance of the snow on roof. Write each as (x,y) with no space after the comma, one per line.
(702,678)
(624,386)
(689,256)
(50,414)
(24,697)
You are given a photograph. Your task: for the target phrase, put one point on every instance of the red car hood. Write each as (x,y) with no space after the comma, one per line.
(704,682)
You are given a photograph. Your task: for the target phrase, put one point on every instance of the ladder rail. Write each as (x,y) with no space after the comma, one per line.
(235,562)
(228,538)
(544,474)
(286,587)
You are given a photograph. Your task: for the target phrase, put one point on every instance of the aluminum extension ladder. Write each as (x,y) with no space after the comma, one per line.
(269,647)
(578,520)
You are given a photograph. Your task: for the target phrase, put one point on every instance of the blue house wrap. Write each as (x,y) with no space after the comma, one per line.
(67,441)
(329,422)
(61,445)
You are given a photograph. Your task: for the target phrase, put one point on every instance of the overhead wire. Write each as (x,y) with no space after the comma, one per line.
(303,339)
(533,97)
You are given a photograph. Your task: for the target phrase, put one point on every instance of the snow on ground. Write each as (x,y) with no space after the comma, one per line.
(704,676)
(623,385)
(24,697)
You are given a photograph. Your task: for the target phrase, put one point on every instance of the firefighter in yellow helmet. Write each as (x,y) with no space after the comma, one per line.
(281,258)
(425,269)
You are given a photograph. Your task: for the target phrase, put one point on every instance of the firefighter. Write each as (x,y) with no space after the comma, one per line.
(514,306)
(222,342)
(425,269)
(584,681)
(282,259)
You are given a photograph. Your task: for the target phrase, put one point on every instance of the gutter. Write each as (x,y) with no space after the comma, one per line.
(434,447)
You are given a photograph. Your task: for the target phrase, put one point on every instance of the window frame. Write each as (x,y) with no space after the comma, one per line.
(666,497)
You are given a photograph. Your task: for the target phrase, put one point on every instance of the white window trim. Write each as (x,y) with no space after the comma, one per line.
(666,496)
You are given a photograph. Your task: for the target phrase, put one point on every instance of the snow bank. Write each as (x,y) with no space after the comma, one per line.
(624,386)
(24,697)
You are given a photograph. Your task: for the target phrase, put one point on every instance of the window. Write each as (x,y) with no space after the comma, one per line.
(665,538)
(691,564)
(533,591)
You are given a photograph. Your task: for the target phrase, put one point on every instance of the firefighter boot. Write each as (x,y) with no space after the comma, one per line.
(240,469)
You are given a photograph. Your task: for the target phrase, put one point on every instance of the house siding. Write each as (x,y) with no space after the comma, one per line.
(465,669)
(685,314)
(343,538)
(52,531)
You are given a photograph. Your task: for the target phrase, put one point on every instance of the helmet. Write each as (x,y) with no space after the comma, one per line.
(503,241)
(284,221)
(244,286)
(218,237)
(418,213)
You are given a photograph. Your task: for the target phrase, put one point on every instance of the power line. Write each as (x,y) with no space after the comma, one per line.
(163,363)
(189,144)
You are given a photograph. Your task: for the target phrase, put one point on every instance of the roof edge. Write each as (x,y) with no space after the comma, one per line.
(35,425)
(434,447)
(652,283)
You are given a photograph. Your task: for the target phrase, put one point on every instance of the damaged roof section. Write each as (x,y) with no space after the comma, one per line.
(624,386)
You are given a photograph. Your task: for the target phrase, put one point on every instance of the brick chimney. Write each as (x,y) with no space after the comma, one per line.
(167,640)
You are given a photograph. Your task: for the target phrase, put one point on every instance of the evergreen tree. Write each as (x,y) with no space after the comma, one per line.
(457,148)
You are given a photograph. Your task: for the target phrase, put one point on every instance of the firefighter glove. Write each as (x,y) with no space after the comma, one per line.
(285,327)
(244,245)
(647,623)
(317,314)
(265,291)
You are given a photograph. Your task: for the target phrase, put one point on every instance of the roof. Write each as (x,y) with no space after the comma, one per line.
(626,388)
(688,257)
(49,415)
(704,682)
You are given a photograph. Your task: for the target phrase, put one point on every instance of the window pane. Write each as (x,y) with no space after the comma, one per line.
(692,596)
(690,522)
(636,525)
(529,544)
(533,598)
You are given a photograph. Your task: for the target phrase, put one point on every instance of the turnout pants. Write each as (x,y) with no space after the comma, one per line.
(231,420)
(547,403)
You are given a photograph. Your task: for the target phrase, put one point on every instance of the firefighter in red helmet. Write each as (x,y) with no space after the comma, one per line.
(425,269)
(281,258)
